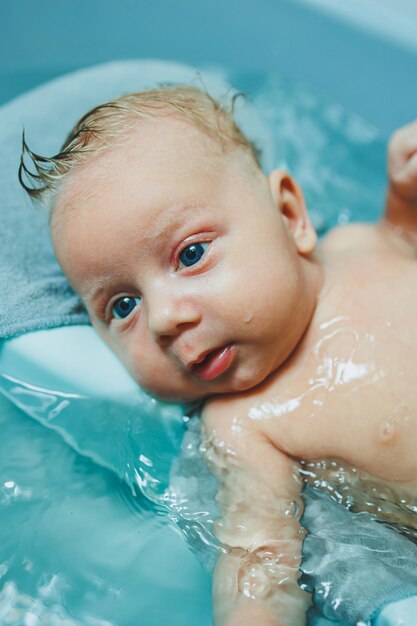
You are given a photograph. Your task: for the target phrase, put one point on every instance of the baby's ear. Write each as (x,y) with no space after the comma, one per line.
(289,199)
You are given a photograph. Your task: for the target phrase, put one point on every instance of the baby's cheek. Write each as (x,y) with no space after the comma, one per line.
(154,374)
(265,288)
(128,354)
(141,364)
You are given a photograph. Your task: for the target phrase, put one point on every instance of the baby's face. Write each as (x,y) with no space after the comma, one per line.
(184,260)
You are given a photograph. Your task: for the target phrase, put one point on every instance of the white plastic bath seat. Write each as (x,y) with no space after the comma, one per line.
(72,359)
(401,613)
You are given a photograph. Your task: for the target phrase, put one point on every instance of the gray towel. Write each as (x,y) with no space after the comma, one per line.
(34,293)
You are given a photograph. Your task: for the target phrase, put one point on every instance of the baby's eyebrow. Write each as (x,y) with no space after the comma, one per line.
(174,217)
(96,287)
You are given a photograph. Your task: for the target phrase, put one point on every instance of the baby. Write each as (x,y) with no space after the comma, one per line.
(204,276)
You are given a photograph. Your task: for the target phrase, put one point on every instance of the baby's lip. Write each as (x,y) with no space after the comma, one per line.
(212,363)
(200,358)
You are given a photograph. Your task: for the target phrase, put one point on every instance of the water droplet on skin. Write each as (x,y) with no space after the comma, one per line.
(236,426)
(254,581)
(331,322)
(291,510)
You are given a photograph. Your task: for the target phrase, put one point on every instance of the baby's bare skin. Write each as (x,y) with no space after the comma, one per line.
(352,375)
(347,392)
(311,353)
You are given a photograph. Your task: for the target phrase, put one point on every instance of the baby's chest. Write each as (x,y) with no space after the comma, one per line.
(374,429)
(353,394)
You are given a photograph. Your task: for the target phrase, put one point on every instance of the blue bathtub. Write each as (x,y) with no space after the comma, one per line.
(361,53)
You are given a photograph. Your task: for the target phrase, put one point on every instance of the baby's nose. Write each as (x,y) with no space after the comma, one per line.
(169,317)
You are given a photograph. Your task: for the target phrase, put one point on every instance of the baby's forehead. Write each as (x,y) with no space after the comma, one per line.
(168,141)
(162,137)
(159,147)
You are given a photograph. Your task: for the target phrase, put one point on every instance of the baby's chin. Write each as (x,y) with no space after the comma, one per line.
(190,396)
(179,396)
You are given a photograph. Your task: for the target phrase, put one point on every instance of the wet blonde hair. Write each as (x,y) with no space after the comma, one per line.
(102,126)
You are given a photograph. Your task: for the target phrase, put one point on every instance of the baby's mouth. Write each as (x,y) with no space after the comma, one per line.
(214,363)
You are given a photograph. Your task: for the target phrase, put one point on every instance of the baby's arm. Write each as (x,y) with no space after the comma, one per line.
(401,205)
(255,582)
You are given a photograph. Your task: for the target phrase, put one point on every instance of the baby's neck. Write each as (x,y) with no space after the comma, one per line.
(314,279)
(314,271)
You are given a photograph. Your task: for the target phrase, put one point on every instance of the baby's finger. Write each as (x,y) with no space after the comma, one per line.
(403,141)
(405,179)
(401,148)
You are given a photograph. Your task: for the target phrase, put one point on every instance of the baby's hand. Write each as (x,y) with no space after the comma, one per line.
(402,163)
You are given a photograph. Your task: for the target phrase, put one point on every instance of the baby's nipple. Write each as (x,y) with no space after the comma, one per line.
(386,431)
(247,317)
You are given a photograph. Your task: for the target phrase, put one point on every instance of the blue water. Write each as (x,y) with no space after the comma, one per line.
(79,547)
(82,544)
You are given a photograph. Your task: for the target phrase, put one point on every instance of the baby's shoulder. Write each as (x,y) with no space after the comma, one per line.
(229,415)
(221,411)
(360,239)
(231,437)
(351,238)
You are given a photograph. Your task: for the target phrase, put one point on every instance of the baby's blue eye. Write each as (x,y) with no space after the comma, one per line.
(192,253)
(124,306)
